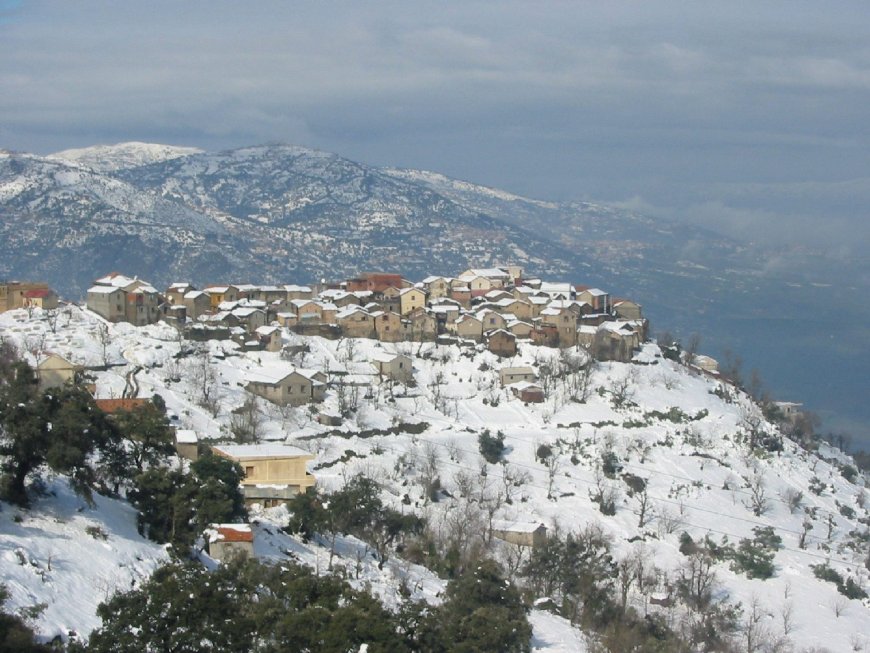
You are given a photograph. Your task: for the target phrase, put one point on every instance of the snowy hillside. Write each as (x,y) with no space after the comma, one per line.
(111,158)
(683,434)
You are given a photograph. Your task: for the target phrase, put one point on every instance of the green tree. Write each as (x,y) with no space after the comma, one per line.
(148,434)
(60,427)
(15,634)
(482,611)
(164,499)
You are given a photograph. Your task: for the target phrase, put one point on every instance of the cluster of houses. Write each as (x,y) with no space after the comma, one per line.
(26,294)
(496,306)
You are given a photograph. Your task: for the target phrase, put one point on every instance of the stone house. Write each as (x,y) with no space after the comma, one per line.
(520,329)
(197,303)
(530,393)
(56,371)
(226,541)
(565,322)
(220,294)
(461,294)
(397,367)
(269,337)
(420,325)
(44,298)
(502,343)
(532,534)
(187,444)
(108,302)
(388,326)
(284,386)
(436,286)
(468,326)
(298,292)
(411,299)
(176,292)
(508,375)
(274,473)
(355,322)
(595,297)
(490,319)
(12,293)
(627,309)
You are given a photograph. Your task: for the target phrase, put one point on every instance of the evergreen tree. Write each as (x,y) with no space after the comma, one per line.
(15,634)
(60,427)
(149,436)
(482,612)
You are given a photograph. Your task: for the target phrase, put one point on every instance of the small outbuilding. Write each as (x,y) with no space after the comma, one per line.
(225,541)
(522,533)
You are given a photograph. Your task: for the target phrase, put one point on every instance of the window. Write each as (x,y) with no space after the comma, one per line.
(249,471)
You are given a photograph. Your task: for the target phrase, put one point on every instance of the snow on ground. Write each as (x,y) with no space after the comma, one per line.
(70,556)
(678,431)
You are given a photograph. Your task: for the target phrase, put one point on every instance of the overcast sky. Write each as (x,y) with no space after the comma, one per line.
(750,117)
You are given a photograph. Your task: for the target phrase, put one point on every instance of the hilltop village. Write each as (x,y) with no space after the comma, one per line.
(486,415)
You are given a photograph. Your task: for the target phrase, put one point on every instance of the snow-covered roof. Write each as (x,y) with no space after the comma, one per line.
(186,436)
(517,526)
(490,273)
(268,450)
(193,294)
(103,290)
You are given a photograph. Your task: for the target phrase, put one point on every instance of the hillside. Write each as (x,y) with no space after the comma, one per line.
(286,214)
(684,434)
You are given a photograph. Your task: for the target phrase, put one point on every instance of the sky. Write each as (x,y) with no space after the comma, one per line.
(750,118)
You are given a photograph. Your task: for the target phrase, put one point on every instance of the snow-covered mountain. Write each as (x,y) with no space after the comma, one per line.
(682,434)
(111,158)
(286,214)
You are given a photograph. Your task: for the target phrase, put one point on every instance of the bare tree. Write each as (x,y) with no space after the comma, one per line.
(246,423)
(758,500)
(622,389)
(204,380)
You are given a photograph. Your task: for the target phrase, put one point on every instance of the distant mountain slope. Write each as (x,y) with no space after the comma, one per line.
(279,213)
(108,158)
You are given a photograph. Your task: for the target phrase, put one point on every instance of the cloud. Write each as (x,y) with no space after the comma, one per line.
(746,117)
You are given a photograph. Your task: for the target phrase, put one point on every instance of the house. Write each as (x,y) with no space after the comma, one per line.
(564,320)
(269,337)
(187,444)
(298,292)
(502,343)
(56,371)
(706,363)
(420,326)
(12,293)
(274,473)
(396,367)
(520,308)
(108,302)
(411,299)
(530,393)
(508,375)
(143,305)
(44,298)
(468,326)
(597,298)
(355,322)
(519,328)
(436,286)
(388,326)
(225,541)
(220,294)
(460,294)
(522,533)
(490,319)
(485,279)
(196,302)
(616,341)
(375,282)
(627,309)
(176,292)
(285,385)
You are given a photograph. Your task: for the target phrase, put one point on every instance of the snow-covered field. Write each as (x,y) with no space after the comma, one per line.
(699,477)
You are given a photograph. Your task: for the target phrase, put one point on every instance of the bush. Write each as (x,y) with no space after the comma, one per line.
(755,556)
(491,447)
(847,587)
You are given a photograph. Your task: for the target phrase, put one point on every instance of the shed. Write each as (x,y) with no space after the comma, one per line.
(522,533)
(225,541)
